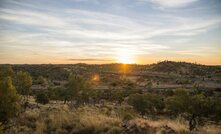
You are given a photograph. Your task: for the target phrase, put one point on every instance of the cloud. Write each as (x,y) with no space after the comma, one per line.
(171,3)
(199,51)
(90,60)
(89,25)
(108,34)
(84,32)
(28,17)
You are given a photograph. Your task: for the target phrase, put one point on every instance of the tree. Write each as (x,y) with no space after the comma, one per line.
(196,106)
(42,98)
(9,100)
(146,103)
(77,89)
(42,81)
(6,71)
(23,83)
(138,102)
(156,102)
(178,103)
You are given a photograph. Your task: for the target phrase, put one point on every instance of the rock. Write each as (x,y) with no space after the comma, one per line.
(166,130)
(132,127)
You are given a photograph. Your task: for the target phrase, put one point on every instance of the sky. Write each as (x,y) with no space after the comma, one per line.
(109,31)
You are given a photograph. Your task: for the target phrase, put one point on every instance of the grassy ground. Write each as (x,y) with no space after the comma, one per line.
(58,118)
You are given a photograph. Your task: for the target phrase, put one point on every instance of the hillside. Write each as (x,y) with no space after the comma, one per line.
(185,68)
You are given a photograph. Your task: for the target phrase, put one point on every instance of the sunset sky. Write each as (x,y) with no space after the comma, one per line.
(108,31)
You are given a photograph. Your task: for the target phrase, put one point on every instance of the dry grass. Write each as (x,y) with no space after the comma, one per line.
(97,119)
(177,125)
(210,129)
(60,119)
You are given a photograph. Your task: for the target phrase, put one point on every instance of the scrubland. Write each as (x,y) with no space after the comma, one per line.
(164,98)
(108,118)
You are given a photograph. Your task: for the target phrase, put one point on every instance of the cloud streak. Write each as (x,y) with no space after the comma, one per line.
(88,33)
(170,3)
(82,60)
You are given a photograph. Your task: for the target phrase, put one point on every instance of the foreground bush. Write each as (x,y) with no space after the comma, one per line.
(195,106)
(9,100)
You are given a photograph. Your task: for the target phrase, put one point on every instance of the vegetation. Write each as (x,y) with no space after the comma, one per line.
(42,81)
(42,98)
(9,106)
(77,89)
(23,82)
(147,99)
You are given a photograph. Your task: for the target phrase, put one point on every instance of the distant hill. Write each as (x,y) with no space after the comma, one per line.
(184,68)
(61,71)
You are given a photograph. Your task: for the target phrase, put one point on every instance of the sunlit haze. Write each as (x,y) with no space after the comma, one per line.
(110,31)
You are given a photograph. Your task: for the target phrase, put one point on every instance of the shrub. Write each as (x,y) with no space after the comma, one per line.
(9,100)
(195,106)
(77,89)
(42,98)
(23,82)
(146,103)
(138,102)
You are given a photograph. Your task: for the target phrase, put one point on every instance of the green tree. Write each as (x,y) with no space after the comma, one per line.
(42,98)
(138,102)
(156,102)
(23,81)
(147,103)
(42,81)
(6,71)
(197,106)
(77,89)
(178,103)
(9,100)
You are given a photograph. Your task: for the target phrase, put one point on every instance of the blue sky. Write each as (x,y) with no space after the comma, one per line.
(105,31)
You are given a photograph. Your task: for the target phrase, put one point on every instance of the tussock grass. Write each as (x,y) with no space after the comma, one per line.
(177,125)
(210,129)
(90,119)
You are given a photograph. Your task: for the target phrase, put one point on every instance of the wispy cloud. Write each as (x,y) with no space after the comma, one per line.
(28,17)
(170,3)
(82,60)
(87,33)
(200,51)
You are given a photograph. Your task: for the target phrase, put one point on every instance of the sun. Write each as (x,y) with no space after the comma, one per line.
(125,57)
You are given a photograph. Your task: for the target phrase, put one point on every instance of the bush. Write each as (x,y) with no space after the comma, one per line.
(42,98)
(178,103)
(196,106)
(9,100)
(77,89)
(138,102)
(146,103)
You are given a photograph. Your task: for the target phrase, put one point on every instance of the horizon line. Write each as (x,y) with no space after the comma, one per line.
(107,63)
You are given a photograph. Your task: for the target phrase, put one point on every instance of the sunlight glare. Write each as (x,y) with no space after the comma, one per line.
(125,57)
